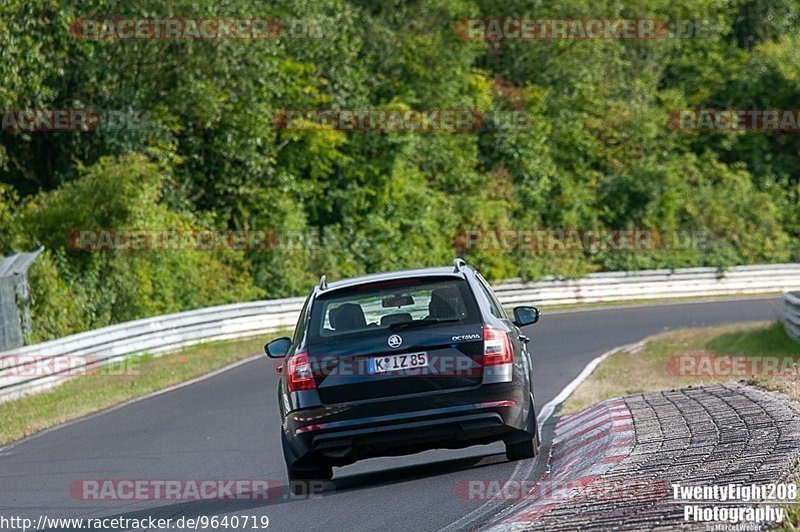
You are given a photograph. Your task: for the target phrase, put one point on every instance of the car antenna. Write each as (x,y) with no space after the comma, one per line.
(323,283)
(458,264)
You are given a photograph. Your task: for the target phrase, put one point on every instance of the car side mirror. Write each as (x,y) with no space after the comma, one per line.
(525,316)
(278,347)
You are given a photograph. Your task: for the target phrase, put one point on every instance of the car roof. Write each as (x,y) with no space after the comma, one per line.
(439,271)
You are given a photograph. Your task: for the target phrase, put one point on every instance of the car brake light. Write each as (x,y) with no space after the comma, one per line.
(496,347)
(300,376)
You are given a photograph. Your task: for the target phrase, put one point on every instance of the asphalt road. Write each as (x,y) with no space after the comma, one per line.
(226,427)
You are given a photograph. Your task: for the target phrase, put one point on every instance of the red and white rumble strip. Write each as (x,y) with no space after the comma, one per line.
(585,446)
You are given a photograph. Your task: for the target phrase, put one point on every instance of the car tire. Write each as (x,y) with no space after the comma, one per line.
(529,447)
(301,480)
(301,473)
(523,450)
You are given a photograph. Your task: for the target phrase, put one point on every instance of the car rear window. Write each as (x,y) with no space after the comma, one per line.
(378,307)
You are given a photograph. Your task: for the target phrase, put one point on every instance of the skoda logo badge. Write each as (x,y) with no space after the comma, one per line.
(395,341)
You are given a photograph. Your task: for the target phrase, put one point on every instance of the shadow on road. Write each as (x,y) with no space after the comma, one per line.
(282,494)
(371,479)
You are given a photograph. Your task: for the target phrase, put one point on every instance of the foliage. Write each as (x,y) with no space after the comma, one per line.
(595,151)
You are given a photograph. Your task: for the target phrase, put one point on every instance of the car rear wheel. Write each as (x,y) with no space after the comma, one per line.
(304,476)
(523,450)
(529,447)
(308,480)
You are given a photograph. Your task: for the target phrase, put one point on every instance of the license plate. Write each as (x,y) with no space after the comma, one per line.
(387,363)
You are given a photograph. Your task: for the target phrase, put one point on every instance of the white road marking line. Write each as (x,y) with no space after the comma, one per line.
(132,401)
(549,408)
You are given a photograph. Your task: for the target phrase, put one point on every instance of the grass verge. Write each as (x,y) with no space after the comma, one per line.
(105,388)
(640,302)
(791,520)
(658,365)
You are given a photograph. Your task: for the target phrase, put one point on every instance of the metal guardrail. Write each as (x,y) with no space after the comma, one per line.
(791,314)
(63,358)
(652,284)
(40,366)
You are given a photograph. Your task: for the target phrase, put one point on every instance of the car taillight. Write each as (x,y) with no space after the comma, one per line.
(496,347)
(300,377)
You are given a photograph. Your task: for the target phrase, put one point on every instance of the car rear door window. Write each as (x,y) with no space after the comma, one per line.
(378,307)
(494,306)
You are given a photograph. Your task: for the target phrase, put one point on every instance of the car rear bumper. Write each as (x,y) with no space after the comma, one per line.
(340,435)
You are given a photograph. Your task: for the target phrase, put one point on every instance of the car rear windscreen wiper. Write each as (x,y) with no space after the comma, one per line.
(420,323)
